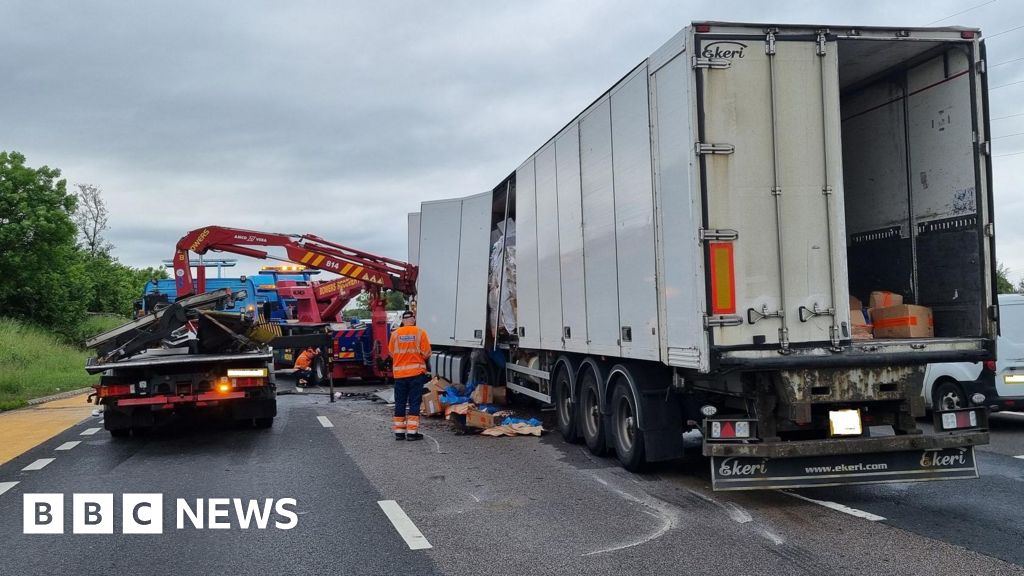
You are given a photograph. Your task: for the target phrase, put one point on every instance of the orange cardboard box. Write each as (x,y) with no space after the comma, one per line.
(883,299)
(903,321)
(478,419)
(431,404)
(487,394)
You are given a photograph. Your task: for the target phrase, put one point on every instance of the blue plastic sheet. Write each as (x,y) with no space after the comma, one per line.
(531,421)
(452,397)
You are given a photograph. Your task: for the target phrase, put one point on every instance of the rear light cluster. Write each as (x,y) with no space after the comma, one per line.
(963,419)
(108,390)
(990,365)
(730,430)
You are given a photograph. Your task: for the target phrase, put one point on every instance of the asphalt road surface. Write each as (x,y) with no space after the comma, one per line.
(471,505)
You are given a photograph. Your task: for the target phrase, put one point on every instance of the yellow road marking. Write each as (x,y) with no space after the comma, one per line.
(26,428)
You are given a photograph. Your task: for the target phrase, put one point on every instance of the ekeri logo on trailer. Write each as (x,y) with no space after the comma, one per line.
(724,49)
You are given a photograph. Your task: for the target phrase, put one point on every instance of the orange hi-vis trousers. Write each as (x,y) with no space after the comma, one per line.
(398,424)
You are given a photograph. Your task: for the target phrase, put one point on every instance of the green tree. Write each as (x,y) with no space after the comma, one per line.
(1003,284)
(393,300)
(39,271)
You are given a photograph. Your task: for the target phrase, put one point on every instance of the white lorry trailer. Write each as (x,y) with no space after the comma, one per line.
(685,250)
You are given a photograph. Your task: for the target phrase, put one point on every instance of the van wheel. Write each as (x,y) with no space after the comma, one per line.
(565,408)
(949,396)
(628,439)
(591,424)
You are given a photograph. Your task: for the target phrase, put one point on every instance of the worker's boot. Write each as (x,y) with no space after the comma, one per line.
(398,427)
(400,436)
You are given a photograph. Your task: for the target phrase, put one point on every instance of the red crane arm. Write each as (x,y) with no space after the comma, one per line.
(336,293)
(307,249)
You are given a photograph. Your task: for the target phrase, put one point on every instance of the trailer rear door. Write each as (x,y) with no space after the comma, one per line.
(769,153)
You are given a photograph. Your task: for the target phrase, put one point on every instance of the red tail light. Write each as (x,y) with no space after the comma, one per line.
(990,365)
(114,390)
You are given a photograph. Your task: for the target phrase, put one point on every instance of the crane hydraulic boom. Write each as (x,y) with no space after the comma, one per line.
(306,249)
(371,271)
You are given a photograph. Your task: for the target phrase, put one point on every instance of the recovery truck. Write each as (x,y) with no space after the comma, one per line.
(355,351)
(685,249)
(187,356)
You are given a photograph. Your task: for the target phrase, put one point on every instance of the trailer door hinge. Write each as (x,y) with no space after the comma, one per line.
(820,48)
(703,148)
(981,67)
(710,63)
(769,41)
(985,148)
(722,234)
(990,229)
(724,320)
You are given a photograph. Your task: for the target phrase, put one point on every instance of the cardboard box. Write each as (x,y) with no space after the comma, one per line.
(431,404)
(855,302)
(883,299)
(437,384)
(903,321)
(478,419)
(487,394)
(861,329)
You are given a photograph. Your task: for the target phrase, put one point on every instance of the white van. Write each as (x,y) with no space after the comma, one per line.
(1001,382)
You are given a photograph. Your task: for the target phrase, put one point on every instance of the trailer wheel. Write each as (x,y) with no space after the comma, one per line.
(565,408)
(591,423)
(628,439)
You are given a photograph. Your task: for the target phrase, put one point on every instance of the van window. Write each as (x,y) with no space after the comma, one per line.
(1011,322)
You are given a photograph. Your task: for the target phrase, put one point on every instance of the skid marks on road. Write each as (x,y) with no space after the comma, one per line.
(667,514)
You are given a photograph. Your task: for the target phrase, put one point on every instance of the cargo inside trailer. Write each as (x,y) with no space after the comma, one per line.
(910,178)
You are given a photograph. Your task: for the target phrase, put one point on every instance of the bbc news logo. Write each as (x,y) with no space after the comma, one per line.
(144,514)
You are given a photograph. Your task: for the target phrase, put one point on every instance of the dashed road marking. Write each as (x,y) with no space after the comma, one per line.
(90,431)
(838,507)
(38,464)
(1021,456)
(325,421)
(404,526)
(5,486)
(68,445)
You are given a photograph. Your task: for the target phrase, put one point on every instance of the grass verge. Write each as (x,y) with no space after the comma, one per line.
(36,363)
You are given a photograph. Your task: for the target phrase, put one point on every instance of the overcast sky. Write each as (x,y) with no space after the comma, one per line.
(338,118)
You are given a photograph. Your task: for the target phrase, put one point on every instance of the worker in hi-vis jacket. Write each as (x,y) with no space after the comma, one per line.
(410,350)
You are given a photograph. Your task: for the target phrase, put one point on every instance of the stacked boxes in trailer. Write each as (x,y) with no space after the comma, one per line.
(687,249)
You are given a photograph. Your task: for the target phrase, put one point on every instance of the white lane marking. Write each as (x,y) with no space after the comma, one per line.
(325,422)
(38,464)
(1021,456)
(403,525)
(90,431)
(1010,412)
(5,486)
(69,445)
(838,507)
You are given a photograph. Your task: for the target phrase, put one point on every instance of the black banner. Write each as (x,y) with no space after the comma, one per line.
(746,473)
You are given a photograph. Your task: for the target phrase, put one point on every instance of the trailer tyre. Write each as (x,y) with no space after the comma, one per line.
(626,434)
(565,408)
(591,422)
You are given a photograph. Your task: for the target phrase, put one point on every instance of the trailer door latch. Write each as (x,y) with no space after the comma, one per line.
(710,63)
(707,148)
(720,234)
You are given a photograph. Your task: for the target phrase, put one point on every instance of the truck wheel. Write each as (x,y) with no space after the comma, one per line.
(591,424)
(628,439)
(263,423)
(565,408)
(949,396)
(319,371)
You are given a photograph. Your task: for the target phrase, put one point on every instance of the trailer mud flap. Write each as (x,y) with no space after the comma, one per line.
(752,473)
